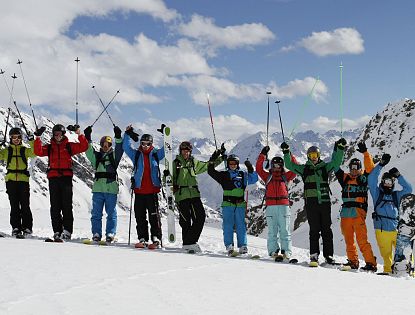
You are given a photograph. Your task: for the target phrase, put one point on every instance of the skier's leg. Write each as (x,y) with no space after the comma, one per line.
(111,209)
(347,228)
(198,217)
(140,210)
(361,237)
(326,232)
(13,192)
(385,240)
(27,218)
(155,224)
(185,223)
(66,195)
(96,213)
(55,204)
(227,225)
(284,223)
(240,226)
(272,240)
(313,218)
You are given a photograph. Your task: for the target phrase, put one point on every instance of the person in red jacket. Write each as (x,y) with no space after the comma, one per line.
(59,152)
(278,212)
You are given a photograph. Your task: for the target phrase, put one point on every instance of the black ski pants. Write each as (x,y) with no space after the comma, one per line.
(192,219)
(143,204)
(319,219)
(60,191)
(19,196)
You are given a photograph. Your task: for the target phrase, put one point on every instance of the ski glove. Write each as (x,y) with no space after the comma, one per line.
(394,172)
(222,149)
(39,131)
(285,147)
(385,159)
(249,166)
(130,132)
(73,128)
(361,147)
(265,150)
(87,133)
(340,144)
(215,155)
(117,132)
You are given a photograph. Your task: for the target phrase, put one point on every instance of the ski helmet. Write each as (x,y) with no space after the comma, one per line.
(15,132)
(313,150)
(106,139)
(277,160)
(146,137)
(58,127)
(355,164)
(232,158)
(185,145)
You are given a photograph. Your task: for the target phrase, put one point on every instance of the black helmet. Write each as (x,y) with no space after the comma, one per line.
(15,131)
(60,128)
(146,137)
(105,139)
(185,145)
(355,162)
(313,149)
(232,157)
(277,160)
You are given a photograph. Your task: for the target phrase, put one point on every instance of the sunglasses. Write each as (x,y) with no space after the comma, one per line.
(15,137)
(313,155)
(232,163)
(388,182)
(145,143)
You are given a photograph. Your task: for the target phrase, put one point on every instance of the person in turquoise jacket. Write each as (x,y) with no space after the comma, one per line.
(105,187)
(386,202)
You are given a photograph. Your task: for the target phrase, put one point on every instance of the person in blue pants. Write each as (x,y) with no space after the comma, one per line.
(233,182)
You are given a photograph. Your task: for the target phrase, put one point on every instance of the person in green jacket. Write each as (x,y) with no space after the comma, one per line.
(315,175)
(187,194)
(17,183)
(105,188)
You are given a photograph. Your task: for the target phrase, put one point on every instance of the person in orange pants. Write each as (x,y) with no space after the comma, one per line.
(354,210)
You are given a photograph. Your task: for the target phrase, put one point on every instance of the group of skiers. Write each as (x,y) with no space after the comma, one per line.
(147,182)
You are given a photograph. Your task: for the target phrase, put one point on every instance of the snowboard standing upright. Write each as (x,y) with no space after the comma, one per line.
(168,183)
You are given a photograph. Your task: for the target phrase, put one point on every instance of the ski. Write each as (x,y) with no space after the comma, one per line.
(92,242)
(51,240)
(153,246)
(168,182)
(239,255)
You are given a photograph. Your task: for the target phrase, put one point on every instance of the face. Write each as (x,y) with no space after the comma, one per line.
(388,183)
(16,139)
(185,153)
(58,136)
(276,167)
(145,144)
(232,165)
(106,146)
(354,170)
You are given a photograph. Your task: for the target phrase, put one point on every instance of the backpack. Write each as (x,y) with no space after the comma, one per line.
(99,158)
(394,200)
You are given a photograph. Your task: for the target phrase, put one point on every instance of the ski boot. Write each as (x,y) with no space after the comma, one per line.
(369,267)
(243,250)
(110,238)
(313,260)
(27,233)
(66,235)
(350,265)
(155,244)
(141,243)
(17,233)
(330,260)
(96,237)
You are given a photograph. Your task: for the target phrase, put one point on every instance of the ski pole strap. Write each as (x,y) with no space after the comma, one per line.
(355,204)
(25,172)
(107,175)
(234,200)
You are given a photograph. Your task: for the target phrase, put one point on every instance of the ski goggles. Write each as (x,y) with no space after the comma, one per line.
(145,143)
(354,167)
(388,182)
(313,155)
(16,137)
(233,163)
(57,134)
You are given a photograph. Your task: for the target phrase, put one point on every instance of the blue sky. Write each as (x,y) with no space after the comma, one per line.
(165,56)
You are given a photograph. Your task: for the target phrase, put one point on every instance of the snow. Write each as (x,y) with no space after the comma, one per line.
(72,278)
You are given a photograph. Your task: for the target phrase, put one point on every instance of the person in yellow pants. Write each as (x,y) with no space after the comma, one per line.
(354,210)
(386,202)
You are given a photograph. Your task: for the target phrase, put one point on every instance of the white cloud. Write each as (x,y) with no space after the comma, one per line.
(203,29)
(336,42)
(322,124)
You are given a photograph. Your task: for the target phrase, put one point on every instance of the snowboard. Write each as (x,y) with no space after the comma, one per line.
(168,183)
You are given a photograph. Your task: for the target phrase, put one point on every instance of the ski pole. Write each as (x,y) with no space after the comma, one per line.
(76,93)
(268,94)
(279,114)
(341,99)
(14,102)
(211,122)
(7,126)
(131,210)
(306,101)
(19,62)
(105,108)
(102,103)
